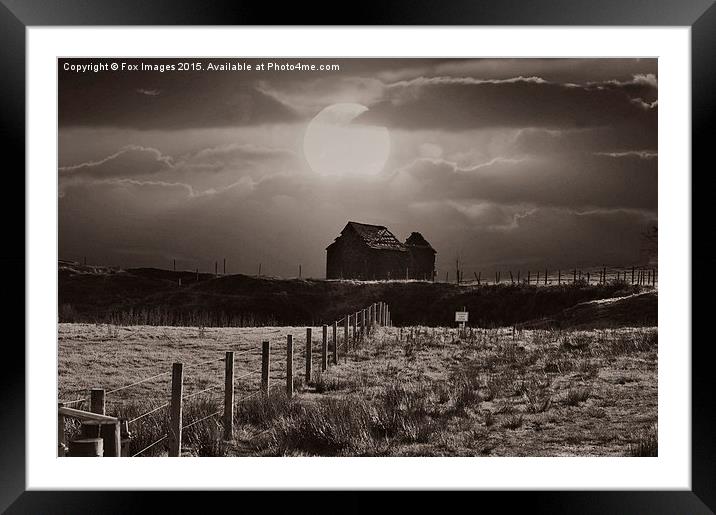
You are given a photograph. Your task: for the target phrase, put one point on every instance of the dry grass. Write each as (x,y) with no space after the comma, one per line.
(431,393)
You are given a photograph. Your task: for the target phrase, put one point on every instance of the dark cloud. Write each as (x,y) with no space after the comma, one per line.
(467,103)
(153,100)
(625,137)
(619,181)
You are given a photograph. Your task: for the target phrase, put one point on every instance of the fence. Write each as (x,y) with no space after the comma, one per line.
(636,275)
(103,435)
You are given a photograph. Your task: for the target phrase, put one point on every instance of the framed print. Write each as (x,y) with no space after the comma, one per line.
(420,252)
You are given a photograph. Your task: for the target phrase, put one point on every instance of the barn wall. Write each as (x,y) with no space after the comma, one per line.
(388,264)
(349,258)
(422,263)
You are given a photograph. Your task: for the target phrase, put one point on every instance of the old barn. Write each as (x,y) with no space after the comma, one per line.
(372,252)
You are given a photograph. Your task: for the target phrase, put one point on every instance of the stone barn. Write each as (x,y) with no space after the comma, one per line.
(372,252)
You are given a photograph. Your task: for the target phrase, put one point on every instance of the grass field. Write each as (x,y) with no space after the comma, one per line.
(426,392)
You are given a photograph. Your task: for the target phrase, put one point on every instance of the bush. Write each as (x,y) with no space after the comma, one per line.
(648,443)
(262,410)
(512,421)
(575,396)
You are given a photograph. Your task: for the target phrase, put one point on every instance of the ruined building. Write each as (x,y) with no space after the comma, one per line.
(372,252)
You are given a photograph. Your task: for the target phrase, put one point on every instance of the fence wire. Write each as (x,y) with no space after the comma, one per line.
(201,419)
(149,412)
(315,345)
(214,387)
(150,446)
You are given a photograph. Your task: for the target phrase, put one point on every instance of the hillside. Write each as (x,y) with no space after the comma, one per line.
(153,296)
(639,309)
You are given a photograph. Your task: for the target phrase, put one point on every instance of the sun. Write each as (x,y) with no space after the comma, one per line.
(334,145)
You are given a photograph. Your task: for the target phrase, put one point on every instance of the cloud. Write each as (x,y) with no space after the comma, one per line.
(118,100)
(233,153)
(626,137)
(310,96)
(572,181)
(642,154)
(559,70)
(148,92)
(461,103)
(129,161)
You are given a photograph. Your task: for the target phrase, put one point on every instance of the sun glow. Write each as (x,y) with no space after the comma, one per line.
(334,145)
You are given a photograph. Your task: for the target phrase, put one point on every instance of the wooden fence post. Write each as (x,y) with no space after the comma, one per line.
(559,277)
(632,275)
(61,437)
(229,395)
(324,349)
(309,354)
(111,439)
(574,279)
(265,366)
(355,328)
(175,421)
(97,404)
(289,366)
(545,277)
(346,339)
(362,324)
(529,274)
(335,343)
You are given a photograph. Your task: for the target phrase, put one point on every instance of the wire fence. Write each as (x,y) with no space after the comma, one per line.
(642,275)
(327,348)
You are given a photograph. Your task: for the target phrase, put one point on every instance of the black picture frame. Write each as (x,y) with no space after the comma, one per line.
(17,15)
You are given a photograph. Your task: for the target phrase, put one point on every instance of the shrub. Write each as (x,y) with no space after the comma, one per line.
(588,368)
(489,418)
(575,342)
(512,421)
(262,410)
(633,341)
(537,396)
(328,428)
(465,393)
(575,396)
(557,365)
(647,444)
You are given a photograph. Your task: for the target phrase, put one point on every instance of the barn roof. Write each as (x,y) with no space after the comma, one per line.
(375,236)
(417,240)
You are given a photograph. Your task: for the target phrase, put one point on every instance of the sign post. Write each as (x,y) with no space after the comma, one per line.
(461,317)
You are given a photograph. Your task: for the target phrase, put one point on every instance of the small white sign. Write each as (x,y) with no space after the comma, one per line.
(461,316)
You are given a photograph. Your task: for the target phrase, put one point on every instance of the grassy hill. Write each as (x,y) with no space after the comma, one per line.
(156,297)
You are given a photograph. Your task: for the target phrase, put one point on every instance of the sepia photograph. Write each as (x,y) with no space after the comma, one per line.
(357,257)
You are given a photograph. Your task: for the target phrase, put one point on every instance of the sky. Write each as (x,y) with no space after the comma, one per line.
(502,164)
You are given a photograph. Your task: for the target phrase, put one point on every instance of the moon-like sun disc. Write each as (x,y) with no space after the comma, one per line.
(334,145)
